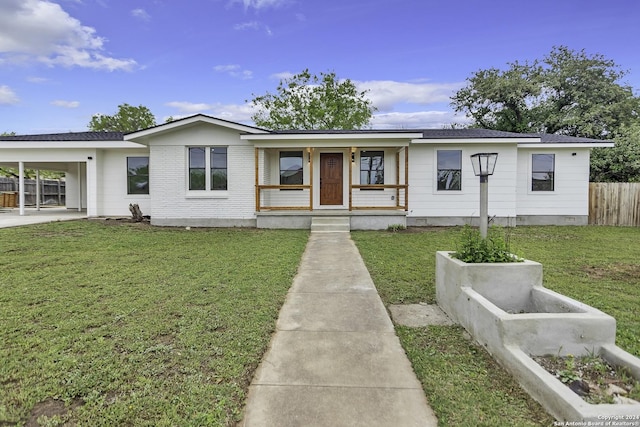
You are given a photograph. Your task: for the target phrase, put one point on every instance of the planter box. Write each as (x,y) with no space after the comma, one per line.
(505,304)
(505,308)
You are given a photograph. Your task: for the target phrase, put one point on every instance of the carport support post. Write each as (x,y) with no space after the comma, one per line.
(37,189)
(21,186)
(79,187)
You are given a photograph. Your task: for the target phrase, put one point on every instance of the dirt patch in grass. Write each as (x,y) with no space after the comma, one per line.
(50,408)
(593,378)
(425,230)
(616,271)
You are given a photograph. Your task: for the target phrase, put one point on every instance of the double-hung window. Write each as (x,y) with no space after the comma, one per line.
(371,167)
(137,175)
(542,172)
(291,168)
(207,168)
(449,170)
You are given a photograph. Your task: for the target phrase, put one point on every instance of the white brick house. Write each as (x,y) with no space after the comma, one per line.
(204,171)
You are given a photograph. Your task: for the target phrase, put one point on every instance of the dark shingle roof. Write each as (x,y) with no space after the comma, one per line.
(470,133)
(427,133)
(69,136)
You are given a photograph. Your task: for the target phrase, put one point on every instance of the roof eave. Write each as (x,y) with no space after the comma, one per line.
(69,144)
(566,145)
(479,140)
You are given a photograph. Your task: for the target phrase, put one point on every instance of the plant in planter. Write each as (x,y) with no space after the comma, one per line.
(473,248)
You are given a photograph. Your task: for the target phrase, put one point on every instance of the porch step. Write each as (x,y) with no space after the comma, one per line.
(330,224)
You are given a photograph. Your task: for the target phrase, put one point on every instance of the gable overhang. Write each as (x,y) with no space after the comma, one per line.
(143,135)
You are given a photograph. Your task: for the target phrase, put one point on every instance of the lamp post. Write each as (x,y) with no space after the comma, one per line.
(483,166)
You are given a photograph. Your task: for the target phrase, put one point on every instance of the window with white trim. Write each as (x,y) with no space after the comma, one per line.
(208,168)
(449,170)
(543,172)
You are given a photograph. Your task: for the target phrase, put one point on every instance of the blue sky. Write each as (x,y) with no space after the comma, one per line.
(63,61)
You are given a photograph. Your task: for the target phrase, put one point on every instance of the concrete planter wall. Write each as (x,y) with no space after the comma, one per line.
(505,308)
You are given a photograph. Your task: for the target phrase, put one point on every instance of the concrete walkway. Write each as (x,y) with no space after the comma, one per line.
(10,217)
(335,359)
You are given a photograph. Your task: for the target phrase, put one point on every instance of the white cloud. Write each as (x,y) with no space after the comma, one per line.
(416,120)
(226,68)
(37,80)
(39,30)
(253,25)
(283,75)
(385,94)
(8,96)
(65,104)
(141,14)
(240,113)
(188,108)
(261,4)
(234,70)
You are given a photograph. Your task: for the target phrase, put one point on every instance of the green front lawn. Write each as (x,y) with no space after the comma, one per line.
(596,265)
(136,325)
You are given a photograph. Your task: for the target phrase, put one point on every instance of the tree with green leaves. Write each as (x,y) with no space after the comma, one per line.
(567,92)
(620,163)
(307,101)
(127,119)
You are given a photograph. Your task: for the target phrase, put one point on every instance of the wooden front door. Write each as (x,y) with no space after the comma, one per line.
(331,179)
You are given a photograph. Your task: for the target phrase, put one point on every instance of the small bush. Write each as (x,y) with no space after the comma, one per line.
(394,228)
(473,248)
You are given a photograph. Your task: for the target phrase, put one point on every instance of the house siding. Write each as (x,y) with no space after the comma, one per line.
(427,204)
(112,184)
(172,204)
(569,202)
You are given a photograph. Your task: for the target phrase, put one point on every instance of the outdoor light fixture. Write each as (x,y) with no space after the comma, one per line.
(483,166)
(484,163)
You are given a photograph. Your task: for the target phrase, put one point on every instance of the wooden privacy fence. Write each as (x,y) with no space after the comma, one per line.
(52,191)
(614,203)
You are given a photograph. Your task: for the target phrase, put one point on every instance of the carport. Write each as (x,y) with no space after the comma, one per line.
(74,153)
(76,179)
(71,169)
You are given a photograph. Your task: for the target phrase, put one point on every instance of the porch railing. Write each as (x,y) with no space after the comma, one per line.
(398,187)
(261,187)
(400,201)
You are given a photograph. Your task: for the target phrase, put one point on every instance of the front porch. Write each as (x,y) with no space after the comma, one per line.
(340,180)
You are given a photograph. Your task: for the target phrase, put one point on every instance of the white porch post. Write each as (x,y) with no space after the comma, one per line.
(37,189)
(79,187)
(92,185)
(21,186)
